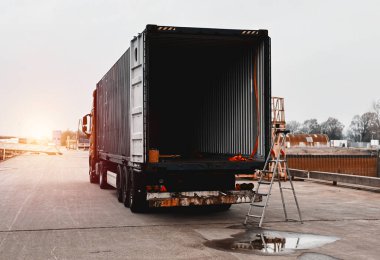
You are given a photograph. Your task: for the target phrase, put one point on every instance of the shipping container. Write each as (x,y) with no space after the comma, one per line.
(176,106)
(336,160)
(307,140)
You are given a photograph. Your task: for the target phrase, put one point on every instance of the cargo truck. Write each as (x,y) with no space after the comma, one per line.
(179,114)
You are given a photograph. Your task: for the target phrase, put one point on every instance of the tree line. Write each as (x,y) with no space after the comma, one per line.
(362,128)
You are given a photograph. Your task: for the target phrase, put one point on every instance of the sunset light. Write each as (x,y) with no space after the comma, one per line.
(38,128)
(40,132)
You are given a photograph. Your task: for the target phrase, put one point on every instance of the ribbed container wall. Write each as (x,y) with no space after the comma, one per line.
(225,117)
(113,109)
(363,165)
(261,70)
(232,113)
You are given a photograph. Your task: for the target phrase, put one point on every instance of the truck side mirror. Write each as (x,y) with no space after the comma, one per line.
(85,122)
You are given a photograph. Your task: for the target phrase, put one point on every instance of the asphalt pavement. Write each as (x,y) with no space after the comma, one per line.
(49,210)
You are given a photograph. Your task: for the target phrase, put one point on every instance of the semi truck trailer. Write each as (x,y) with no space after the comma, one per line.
(179,115)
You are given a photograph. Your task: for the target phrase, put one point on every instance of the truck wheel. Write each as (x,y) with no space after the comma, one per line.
(97,170)
(126,187)
(93,178)
(102,176)
(92,172)
(137,200)
(119,183)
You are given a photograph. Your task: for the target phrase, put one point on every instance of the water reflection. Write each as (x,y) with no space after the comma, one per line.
(270,242)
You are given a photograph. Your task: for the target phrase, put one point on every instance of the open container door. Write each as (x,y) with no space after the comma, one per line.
(209,96)
(137,99)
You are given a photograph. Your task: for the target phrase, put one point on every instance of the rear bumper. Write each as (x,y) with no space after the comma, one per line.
(206,166)
(199,198)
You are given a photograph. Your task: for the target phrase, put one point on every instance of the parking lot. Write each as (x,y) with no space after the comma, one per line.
(49,210)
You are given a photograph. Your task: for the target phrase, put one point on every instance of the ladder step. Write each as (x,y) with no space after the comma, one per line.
(253,216)
(264,182)
(257,205)
(277,160)
(282,131)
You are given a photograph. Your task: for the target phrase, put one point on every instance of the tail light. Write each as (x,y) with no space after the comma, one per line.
(163,188)
(156,188)
(237,186)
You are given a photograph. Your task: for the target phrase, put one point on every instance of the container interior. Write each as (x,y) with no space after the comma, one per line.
(205,96)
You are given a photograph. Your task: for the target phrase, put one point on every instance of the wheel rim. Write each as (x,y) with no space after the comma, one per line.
(130,197)
(123,193)
(131,189)
(119,183)
(125,187)
(99,172)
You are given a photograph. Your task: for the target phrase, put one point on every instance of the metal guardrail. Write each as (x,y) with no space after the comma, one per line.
(7,154)
(337,177)
(9,150)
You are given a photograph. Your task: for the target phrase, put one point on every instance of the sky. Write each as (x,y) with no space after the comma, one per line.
(325,54)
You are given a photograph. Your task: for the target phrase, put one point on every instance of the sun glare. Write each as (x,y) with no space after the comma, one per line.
(40,132)
(38,129)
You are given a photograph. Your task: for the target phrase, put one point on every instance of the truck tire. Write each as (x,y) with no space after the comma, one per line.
(102,176)
(126,187)
(119,183)
(137,200)
(92,172)
(93,178)
(97,170)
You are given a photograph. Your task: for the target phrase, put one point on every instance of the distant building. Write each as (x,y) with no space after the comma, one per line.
(307,140)
(10,140)
(57,137)
(339,143)
(71,143)
(375,143)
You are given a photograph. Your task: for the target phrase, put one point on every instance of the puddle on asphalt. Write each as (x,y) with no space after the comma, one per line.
(269,242)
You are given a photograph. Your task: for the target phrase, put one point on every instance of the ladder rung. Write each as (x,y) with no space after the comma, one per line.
(281,160)
(253,216)
(264,182)
(257,205)
(282,131)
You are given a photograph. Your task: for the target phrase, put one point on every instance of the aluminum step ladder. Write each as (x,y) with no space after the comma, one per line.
(275,168)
